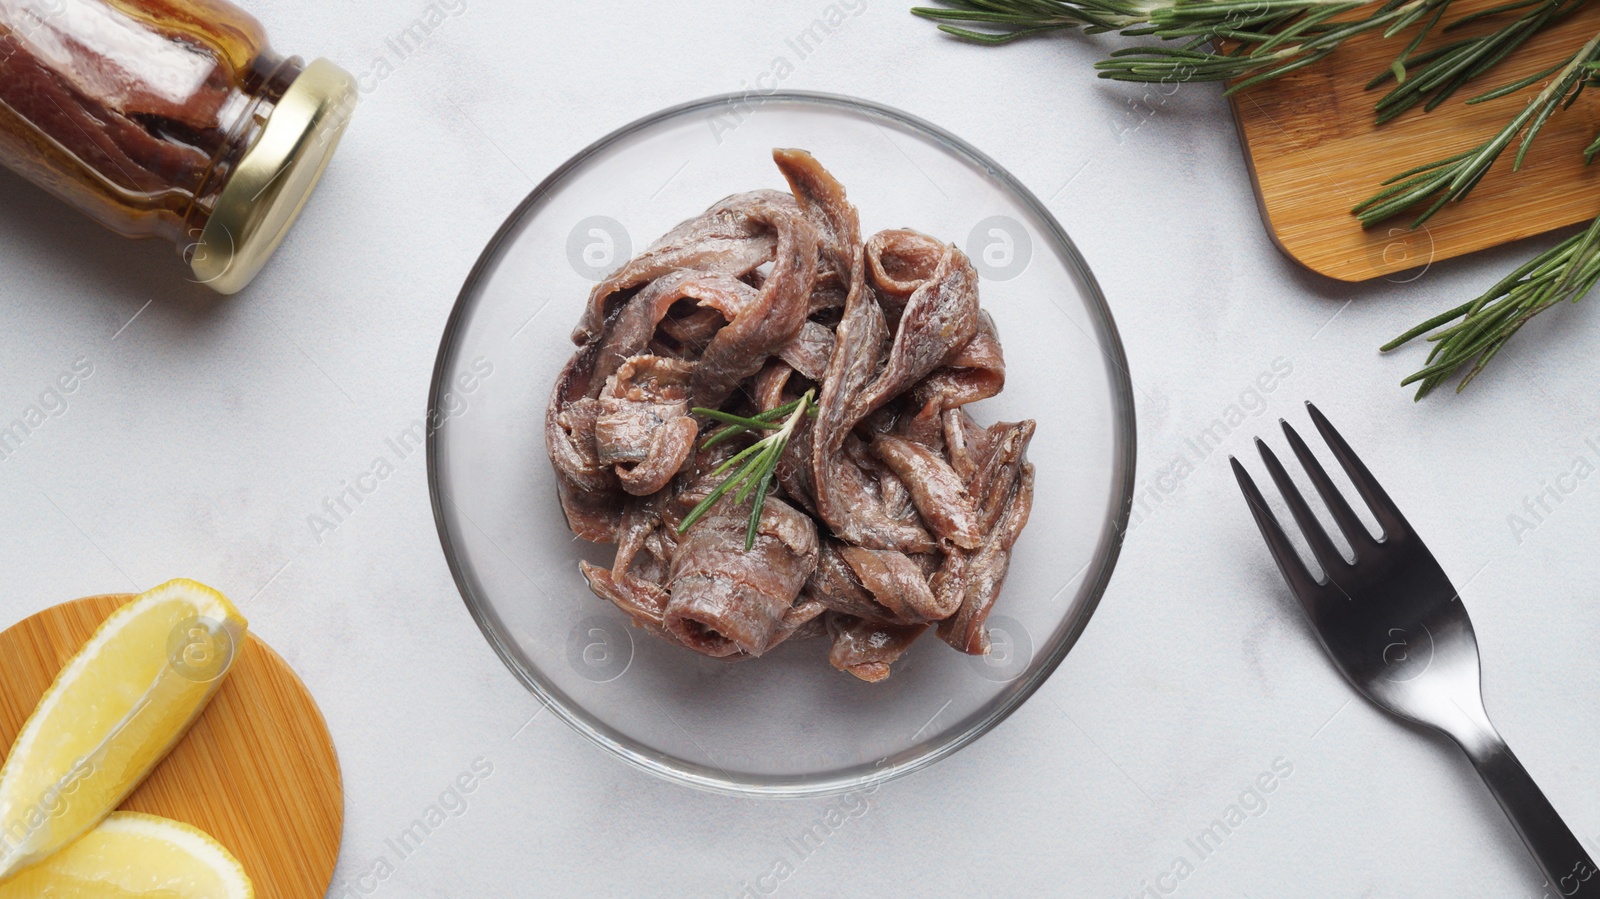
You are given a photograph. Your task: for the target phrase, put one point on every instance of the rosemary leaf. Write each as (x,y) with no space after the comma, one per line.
(1011,19)
(755,508)
(1432,77)
(1453,178)
(1273,37)
(756,464)
(1482,326)
(1305,34)
(737,425)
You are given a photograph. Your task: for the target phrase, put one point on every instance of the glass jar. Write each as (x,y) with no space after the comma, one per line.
(170,119)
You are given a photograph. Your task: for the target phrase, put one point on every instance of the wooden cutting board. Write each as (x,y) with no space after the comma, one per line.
(257,770)
(1314,152)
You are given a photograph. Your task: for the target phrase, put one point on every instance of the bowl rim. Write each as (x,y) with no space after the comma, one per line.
(860,777)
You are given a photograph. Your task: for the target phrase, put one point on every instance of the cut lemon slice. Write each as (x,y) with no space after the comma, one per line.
(113,712)
(136,856)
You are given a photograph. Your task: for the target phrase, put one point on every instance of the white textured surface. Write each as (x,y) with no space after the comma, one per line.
(211,428)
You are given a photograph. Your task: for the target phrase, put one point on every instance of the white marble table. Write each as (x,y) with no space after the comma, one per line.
(210,429)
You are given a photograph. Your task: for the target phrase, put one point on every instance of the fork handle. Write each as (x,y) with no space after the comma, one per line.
(1562,858)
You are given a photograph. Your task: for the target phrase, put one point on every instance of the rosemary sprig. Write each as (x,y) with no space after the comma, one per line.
(1565,272)
(735,425)
(1007,20)
(1433,76)
(1260,56)
(1012,19)
(1265,38)
(760,459)
(1453,178)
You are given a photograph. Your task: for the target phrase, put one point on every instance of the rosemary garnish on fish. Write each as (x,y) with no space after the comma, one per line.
(760,459)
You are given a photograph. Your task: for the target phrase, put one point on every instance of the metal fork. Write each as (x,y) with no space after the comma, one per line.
(1396,629)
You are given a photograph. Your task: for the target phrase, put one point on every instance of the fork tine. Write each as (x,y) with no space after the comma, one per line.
(1338,506)
(1283,552)
(1328,555)
(1388,514)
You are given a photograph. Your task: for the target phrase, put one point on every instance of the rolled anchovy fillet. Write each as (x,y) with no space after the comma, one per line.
(821,199)
(776,315)
(982,573)
(727,599)
(899,261)
(636,581)
(591,498)
(867,648)
(802,621)
(940,317)
(975,373)
(643,543)
(643,428)
(898,584)
(836,585)
(726,239)
(639,604)
(937,491)
(717,297)
(846,499)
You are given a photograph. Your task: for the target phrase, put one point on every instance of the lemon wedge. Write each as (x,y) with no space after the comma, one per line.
(136,856)
(112,714)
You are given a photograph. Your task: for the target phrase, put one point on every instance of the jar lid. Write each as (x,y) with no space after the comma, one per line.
(274,178)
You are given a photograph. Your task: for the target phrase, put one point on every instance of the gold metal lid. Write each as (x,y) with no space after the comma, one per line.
(272,181)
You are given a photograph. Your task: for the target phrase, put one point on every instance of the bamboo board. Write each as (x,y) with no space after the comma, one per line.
(1314,152)
(257,770)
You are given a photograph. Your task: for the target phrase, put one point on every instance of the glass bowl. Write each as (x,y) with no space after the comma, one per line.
(786,724)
